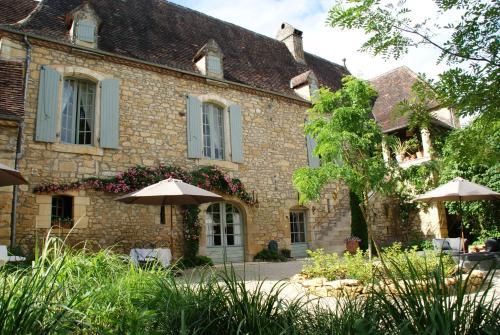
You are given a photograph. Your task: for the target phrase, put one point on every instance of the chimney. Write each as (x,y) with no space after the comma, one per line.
(293,40)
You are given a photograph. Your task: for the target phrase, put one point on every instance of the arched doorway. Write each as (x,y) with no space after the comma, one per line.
(224,232)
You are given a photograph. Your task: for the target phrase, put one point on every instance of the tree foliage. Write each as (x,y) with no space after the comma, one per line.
(348,142)
(474,154)
(471,84)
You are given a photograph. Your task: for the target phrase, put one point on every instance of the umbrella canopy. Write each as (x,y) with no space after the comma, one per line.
(9,176)
(457,190)
(170,192)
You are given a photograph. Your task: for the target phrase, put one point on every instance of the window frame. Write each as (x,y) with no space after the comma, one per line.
(212,125)
(222,235)
(67,211)
(298,236)
(75,115)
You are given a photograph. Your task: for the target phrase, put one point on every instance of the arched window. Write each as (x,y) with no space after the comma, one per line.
(213,132)
(78,111)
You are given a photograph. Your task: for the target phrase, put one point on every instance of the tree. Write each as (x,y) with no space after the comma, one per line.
(474,153)
(349,144)
(471,84)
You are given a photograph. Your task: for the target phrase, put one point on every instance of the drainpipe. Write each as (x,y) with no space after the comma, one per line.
(13,214)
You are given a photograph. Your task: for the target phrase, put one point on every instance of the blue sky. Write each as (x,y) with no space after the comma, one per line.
(265,17)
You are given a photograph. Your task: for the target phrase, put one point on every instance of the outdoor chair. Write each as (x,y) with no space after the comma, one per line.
(4,256)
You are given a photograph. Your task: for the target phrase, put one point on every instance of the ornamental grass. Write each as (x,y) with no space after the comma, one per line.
(69,291)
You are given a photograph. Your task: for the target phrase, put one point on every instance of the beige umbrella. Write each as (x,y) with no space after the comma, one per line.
(459,189)
(170,192)
(9,176)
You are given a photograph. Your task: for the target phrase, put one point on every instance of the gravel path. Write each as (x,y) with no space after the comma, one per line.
(273,273)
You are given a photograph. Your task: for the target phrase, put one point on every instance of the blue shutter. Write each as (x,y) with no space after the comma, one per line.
(110,113)
(313,159)
(48,94)
(194,127)
(85,31)
(236,133)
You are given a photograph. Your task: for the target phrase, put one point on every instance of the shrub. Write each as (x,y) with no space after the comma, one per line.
(332,267)
(269,256)
(286,252)
(422,265)
(357,266)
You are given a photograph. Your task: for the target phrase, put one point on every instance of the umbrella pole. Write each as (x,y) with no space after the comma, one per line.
(172,228)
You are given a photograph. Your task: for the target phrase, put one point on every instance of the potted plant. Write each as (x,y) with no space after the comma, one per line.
(60,222)
(400,148)
(413,147)
(352,244)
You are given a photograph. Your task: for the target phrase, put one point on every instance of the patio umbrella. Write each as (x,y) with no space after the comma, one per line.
(9,176)
(459,190)
(170,192)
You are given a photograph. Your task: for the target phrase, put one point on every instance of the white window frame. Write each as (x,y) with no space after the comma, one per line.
(84,74)
(212,125)
(299,231)
(75,111)
(237,241)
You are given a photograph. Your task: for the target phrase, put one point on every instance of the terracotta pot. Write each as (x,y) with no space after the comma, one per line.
(352,247)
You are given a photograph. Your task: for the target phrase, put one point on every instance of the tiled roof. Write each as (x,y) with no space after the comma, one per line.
(12,11)
(393,87)
(11,89)
(161,32)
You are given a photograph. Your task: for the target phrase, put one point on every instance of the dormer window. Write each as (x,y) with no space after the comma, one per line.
(305,84)
(84,24)
(208,60)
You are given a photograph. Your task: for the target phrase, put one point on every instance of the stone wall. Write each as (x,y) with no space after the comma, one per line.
(426,223)
(8,141)
(153,131)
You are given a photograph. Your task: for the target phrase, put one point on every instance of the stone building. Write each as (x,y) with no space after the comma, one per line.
(100,86)
(394,87)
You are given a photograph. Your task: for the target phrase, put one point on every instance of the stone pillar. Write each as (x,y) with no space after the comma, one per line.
(426,141)
(385,151)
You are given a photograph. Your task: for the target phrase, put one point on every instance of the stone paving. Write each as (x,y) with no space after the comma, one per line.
(273,273)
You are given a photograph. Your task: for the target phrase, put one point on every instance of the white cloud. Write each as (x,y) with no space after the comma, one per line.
(265,17)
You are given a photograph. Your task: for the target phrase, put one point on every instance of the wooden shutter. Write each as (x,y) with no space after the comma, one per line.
(236,130)
(313,159)
(110,113)
(85,31)
(48,94)
(194,127)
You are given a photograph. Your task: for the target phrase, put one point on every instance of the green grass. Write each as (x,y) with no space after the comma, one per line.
(71,291)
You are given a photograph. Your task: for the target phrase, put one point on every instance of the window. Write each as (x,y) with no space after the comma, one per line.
(213,132)
(298,226)
(78,111)
(223,222)
(62,211)
(214,65)
(85,31)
